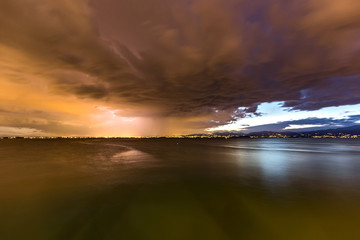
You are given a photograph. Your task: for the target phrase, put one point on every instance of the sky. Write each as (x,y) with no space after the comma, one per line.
(171,67)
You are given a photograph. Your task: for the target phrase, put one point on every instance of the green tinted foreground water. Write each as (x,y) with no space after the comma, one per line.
(180,189)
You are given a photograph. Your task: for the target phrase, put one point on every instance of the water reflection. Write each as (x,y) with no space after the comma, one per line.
(274,166)
(180,189)
(282,163)
(131,156)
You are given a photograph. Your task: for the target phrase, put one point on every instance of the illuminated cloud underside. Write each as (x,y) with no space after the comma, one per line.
(295,126)
(129,68)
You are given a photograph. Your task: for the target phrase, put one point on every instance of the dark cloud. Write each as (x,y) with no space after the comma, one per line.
(169,58)
(196,55)
(335,91)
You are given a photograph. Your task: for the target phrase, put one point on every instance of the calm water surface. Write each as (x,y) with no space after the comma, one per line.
(180,189)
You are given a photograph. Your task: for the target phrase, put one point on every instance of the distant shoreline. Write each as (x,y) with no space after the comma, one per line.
(347,136)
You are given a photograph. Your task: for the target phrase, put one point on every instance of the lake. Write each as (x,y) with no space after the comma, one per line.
(180,189)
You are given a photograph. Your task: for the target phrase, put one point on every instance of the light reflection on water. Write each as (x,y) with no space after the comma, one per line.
(180,189)
(282,163)
(130,157)
(274,168)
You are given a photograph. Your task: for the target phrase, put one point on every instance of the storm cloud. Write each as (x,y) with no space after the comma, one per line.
(195,61)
